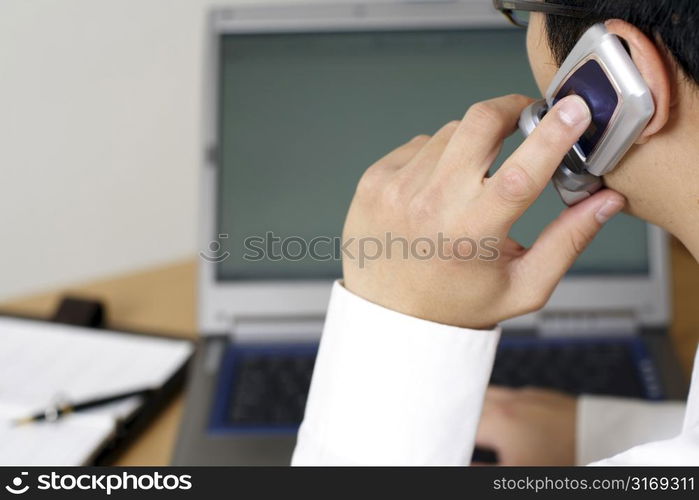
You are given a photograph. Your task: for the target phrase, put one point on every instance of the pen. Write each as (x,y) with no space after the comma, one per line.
(53,413)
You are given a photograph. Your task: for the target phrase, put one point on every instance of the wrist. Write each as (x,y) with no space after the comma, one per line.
(422,307)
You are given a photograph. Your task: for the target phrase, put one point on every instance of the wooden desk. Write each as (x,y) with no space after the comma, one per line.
(163,301)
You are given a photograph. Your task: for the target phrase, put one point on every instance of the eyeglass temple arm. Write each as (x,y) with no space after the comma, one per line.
(543,7)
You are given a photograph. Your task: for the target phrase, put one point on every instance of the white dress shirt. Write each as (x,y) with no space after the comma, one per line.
(390,389)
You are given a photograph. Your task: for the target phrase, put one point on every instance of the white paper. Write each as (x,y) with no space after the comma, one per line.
(41,363)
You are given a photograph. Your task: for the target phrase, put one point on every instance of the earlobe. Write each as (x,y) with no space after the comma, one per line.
(655,70)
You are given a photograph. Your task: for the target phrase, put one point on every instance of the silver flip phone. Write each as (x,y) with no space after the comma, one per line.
(600,70)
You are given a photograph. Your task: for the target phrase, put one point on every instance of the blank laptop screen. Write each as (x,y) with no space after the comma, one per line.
(301,116)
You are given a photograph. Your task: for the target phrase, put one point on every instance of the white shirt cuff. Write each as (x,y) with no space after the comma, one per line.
(390,389)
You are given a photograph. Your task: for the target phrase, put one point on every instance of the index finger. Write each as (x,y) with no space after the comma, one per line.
(478,140)
(524,175)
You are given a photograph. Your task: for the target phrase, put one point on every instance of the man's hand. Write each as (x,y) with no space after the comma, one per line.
(528,426)
(448,257)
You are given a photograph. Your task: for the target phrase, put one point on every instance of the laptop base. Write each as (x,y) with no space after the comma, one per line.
(205,440)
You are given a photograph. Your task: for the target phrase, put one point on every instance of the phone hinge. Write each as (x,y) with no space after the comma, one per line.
(276,329)
(588,324)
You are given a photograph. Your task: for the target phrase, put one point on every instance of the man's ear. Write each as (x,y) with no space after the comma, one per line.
(655,70)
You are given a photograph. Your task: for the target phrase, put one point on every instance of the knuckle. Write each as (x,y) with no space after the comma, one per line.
(555,137)
(521,98)
(393,195)
(484,111)
(515,185)
(424,205)
(421,138)
(451,127)
(579,239)
(370,181)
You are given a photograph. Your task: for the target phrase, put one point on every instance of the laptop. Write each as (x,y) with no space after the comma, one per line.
(300,100)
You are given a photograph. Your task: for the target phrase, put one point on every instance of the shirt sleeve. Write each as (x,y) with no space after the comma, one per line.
(607,425)
(390,389)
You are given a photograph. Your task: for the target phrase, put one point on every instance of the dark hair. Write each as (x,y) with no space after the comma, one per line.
(675,23)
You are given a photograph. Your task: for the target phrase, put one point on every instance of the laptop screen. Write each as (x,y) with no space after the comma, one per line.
(301,116)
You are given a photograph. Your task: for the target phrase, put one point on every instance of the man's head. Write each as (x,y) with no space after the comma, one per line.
(660,175)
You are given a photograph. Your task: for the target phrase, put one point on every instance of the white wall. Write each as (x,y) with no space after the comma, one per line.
(99,130)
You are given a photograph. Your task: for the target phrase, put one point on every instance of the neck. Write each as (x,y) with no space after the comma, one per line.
(681,167)
(661,177)
(687,233)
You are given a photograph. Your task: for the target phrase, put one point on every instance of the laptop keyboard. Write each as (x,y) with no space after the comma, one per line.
(615,368)
(269,389)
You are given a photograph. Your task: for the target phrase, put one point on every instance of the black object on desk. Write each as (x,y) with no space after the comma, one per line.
(81,312)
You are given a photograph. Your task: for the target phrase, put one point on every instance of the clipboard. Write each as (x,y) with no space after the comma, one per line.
(86,319)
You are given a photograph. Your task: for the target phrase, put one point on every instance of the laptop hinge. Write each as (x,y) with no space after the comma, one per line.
(588,324)
(276,329)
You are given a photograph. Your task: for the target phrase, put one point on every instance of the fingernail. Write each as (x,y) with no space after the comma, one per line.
(609,209)
(573,111)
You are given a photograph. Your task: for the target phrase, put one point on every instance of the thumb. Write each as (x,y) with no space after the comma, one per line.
(562,242)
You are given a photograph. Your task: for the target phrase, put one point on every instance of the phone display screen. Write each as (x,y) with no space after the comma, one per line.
(591,83)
